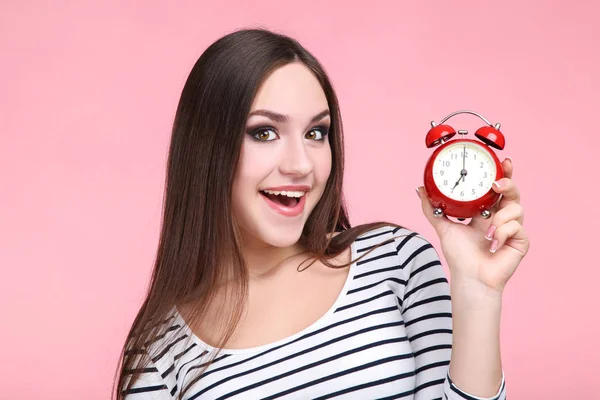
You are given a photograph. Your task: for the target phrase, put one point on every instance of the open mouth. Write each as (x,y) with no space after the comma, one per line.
(284,198)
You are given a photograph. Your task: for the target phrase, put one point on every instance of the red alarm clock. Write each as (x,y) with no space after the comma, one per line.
(460,173)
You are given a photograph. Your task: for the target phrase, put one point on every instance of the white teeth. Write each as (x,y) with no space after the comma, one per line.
(285,193)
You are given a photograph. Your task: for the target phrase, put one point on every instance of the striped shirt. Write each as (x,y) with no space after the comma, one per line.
(387,336)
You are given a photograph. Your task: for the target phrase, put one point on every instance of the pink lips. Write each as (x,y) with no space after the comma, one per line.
(288,211)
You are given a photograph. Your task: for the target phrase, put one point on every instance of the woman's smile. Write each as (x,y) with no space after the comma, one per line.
(286,200)
(290,207)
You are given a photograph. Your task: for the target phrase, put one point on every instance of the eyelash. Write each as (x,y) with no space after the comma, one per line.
(253,132)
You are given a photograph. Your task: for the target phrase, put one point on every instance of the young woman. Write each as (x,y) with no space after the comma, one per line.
(261,288)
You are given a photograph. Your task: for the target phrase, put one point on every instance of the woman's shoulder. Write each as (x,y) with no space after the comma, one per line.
(387,238)
(386,231)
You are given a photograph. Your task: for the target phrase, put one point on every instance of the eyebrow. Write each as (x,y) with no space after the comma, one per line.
(280,118)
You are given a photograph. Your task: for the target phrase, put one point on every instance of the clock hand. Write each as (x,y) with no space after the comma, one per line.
(464,171)
(456,184)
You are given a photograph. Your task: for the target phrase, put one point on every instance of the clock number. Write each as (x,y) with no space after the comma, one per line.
(454,156)
(481,184)
(445,183)
(485,174)
(462,193)
(442,172)
(481,165)
(446,163)
(472,191)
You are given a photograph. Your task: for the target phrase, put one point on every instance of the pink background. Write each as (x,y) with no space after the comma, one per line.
(88,94)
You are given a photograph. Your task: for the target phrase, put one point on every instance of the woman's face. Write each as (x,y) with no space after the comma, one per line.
(285,158)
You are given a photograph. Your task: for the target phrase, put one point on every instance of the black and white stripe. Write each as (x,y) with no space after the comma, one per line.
(388,336)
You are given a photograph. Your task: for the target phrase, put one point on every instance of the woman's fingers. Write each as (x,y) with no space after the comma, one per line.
(505,232)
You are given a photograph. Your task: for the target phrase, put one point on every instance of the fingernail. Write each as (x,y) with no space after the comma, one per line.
(497,183)
(494,246)
(508,158)
(490,232)
(418,193)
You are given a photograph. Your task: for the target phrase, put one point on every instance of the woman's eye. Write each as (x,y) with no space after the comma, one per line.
(268,134)
(265,135)
(317,134)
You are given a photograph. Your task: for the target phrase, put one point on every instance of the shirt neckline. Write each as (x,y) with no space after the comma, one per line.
(315,325)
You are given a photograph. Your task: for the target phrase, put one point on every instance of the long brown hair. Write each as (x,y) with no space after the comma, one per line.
(199,246)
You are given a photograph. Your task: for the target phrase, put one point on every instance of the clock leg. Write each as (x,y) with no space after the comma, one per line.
(438,212)
(485,214)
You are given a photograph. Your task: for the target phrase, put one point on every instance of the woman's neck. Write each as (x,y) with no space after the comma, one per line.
(264,260)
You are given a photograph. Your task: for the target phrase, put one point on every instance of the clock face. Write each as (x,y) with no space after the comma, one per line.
(464,171)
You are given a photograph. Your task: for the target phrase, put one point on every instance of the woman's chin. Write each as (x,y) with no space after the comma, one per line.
(279,237)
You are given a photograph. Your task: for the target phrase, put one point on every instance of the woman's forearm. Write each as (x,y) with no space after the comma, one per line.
(476,365)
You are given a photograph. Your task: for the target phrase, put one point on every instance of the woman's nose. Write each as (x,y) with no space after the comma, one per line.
(295,159)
